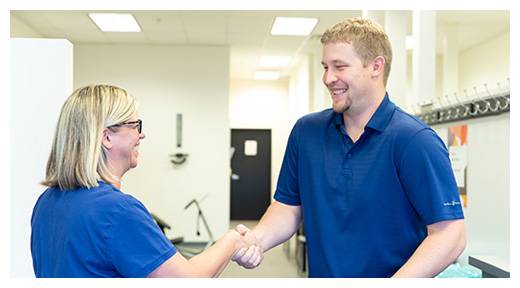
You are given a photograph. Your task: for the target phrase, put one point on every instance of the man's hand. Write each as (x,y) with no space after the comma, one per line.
(248,257)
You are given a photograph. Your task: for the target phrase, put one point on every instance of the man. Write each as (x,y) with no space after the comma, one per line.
(373,184)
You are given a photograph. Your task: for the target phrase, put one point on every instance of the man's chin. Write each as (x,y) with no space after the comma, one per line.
(340,109)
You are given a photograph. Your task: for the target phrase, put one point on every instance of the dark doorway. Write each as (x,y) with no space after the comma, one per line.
(251,173)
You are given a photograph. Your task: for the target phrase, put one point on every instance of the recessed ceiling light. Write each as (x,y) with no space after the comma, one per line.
(112,22)
(275,61)
(293,26)
(267,75)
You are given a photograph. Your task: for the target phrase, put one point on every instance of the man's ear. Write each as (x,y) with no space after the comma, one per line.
(106,141)
(378,66)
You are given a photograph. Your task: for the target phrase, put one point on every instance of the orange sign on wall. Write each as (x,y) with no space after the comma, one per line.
(457,147)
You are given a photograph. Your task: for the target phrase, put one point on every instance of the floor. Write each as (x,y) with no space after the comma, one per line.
(278,262)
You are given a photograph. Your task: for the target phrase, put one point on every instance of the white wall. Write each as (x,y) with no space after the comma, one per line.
(300,87)
(319,97)
(438,76)
(257,104)
(263,105)
(41,79)
(487,62)
(484,63)
(487,214)
(411,98)
(194,81)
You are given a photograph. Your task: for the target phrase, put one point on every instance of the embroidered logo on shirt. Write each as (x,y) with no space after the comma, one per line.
(452,203)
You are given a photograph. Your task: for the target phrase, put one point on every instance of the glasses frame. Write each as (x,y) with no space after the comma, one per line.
(139,126)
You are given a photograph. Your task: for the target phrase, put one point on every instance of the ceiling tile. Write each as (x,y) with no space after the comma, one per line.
(246,32)
(206,27)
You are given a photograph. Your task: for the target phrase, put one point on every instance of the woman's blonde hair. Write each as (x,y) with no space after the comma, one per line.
(368,39)
(78,158)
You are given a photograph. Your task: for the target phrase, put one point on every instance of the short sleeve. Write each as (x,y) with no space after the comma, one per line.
(287,190)
(137,246)
(427,178)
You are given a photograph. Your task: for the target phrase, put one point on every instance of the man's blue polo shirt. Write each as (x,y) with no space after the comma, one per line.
(366,204)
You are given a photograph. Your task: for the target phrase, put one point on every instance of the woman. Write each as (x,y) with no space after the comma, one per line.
(83,225)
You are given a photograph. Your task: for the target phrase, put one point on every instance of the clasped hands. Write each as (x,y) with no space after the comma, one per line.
(251,253)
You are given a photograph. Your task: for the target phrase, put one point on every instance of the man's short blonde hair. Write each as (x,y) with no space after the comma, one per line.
(77,157)
(368,39)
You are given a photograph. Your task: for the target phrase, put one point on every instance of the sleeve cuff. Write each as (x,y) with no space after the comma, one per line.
(286,200)
(443,217)
(149,268)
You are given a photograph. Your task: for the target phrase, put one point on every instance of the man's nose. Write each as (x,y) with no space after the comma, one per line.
(329,77)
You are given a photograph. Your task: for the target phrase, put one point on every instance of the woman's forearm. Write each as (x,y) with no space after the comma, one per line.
(212,262)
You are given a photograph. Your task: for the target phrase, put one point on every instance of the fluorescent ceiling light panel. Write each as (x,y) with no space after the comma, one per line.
(112,22)
(294,26)
(275,61)
(267,75)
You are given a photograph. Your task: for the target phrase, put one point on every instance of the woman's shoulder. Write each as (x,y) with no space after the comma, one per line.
(110,195)
(104,199)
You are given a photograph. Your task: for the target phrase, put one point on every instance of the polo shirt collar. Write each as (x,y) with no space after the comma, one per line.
(383,114)
(379,120)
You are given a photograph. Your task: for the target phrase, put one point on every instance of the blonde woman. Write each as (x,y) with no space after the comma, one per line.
(83,225)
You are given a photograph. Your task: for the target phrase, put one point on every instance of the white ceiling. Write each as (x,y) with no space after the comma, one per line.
(245,32)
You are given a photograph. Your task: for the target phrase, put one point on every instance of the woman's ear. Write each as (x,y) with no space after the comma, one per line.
(106,141)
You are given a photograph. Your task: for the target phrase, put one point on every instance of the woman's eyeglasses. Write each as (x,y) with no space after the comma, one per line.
(138,122)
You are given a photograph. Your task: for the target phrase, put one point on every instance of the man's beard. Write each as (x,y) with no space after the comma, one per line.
(342,108)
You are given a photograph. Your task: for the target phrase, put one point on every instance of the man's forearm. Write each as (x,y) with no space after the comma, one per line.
(278,224)
(438,250)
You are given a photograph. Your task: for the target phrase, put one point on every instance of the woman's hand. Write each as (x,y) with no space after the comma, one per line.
(251,255)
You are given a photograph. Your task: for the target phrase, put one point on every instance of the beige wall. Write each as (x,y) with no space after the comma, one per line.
(487,62)
(484,63)
(20,29)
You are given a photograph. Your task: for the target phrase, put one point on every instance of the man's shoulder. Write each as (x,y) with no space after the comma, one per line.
(406,124)
(404,127)
(317,118)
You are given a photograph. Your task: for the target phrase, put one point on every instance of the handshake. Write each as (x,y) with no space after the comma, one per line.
(249,253)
